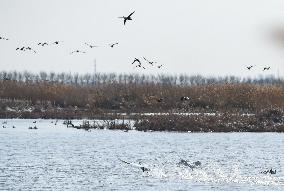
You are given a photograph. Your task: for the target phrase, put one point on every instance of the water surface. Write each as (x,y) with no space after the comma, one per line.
(54,157)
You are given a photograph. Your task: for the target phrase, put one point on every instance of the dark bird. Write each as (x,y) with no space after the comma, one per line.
(42,44)
(136,60)
(34,121)
(269,171)
(2,38)
(91,46)
(143,168)
(127,18)
(150,62)
(57,42)
(29,48)
(249,67)
(266,68)
(112,45)
(77,51)
(139,63)
(22,49)
(160,66)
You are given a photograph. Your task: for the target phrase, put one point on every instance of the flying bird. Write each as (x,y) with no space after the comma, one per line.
(266,68)
(57,42)
(136,60)
(112,45)
(29,48)
(26,48)
(160,66)
(42,44)
(150,62)
(2,38)
(77,51)
(249,67)
(91,46)
(127,18)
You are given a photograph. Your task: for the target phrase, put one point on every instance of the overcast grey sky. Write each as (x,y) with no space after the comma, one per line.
(208,37)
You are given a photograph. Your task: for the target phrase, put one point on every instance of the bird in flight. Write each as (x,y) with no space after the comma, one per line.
(127,18)
(139,63)
(2,38)
(29,48)
(249,67)
(57,42)
(160,66)
(266,68)
(91,46)
(26,48)
(77,51)
(42,44)
(112,45)
(150,62)
(136,60)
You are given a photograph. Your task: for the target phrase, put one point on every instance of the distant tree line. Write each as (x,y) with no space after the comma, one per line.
(139,93)
(137,79)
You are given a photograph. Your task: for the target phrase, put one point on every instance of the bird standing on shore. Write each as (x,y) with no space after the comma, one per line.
(127,18)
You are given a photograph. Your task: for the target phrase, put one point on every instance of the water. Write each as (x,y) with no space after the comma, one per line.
(59,158)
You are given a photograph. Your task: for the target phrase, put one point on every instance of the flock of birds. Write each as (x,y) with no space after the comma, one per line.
(78,51)
(4,125)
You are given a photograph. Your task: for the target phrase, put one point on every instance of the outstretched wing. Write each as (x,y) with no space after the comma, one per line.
(131,14)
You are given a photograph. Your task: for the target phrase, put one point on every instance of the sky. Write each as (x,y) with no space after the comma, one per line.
(211,38)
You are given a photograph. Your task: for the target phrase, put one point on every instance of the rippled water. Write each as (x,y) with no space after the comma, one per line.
(59,158)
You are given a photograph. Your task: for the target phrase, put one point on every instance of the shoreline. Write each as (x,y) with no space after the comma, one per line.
(268,121)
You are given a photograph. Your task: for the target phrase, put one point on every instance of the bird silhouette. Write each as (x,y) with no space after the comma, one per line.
(249,67)
(136,60)
(150,62)
(266,68)
(26,48)
(126,18)
(91,46)
(160,66)
(57,42)
(77,51)
(29,48)
(2,38)
(42,44)
(112,45)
